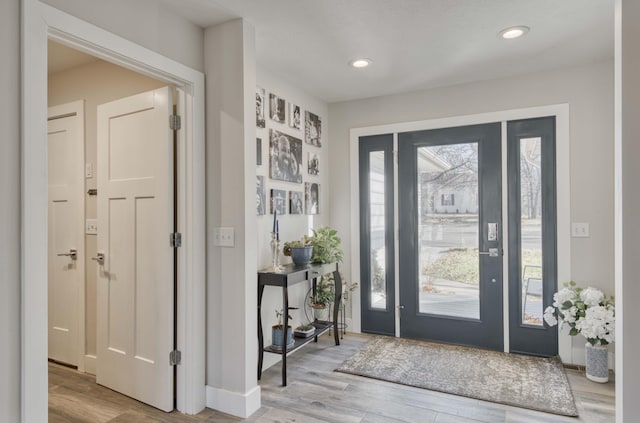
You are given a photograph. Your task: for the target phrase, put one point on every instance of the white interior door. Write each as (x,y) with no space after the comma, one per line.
(66,234)
(135,219)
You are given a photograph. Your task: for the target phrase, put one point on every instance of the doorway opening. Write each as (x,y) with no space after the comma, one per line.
(42,22)
(96,309)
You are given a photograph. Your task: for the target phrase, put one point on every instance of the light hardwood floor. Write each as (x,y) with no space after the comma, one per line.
(316,394)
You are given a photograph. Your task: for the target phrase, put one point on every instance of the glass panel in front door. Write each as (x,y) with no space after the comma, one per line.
(377,230)
(531,231)
(448,213)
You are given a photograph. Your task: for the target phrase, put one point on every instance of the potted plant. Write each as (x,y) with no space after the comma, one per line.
(304,331)
(321,300)
(326,245)
(277,331)
(590,313)
(300,251)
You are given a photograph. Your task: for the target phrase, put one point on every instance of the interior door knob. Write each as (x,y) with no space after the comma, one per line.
(99,258)
(73,253)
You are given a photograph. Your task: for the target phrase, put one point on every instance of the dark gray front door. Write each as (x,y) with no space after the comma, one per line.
(450,215)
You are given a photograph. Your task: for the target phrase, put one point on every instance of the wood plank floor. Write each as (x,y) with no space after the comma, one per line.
(317,394)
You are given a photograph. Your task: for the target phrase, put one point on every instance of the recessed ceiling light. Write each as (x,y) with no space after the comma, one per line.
(360,63)
(513,32)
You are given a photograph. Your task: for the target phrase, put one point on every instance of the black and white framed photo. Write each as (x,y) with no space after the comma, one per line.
(296,202)
(260,123)
(312,129)
(285,157)
(277,109)
(261,196)
(313,164)
(258,151)
(294,116)
(279,201)
(312,198)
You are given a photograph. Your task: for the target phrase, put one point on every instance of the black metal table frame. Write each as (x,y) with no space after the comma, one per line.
(292,275)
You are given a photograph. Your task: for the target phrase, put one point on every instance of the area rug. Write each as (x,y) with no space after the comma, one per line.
(529,382)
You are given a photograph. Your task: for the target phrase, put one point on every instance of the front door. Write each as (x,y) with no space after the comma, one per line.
(135,257)
(450,246)
(66,232)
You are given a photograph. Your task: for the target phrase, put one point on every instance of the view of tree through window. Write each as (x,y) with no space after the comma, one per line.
(531,230)
(448,230)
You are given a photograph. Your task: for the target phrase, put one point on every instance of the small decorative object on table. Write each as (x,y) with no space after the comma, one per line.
(589,313)
(304,331)
(299,251)
(277,331)
(275,243)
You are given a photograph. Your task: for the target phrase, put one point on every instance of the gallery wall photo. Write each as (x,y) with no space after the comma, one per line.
(312,129)
(285,157)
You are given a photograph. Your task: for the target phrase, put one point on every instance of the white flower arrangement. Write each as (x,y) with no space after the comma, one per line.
(587,312)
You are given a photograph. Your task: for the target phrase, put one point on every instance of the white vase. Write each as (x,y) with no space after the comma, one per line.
(597,363)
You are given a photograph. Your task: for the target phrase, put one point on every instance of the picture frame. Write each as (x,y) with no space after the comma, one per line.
(260,108)
(261,201)
(294,116)
(285,157)
(279,201)
(312,198)
(312,129)
(277,108)
(296,202)
(313,163)
(258,151)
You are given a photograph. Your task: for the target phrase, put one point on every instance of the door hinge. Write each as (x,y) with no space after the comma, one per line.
(175,358)
(176,239)
(175,122)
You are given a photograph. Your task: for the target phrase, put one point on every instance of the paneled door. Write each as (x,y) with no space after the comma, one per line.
(135,258)
(450,249)
(66,232)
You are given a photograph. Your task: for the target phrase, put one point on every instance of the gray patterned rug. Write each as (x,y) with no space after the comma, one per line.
(529,382)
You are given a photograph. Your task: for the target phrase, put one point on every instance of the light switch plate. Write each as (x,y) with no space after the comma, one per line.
(88,170)
(224,237)
(91,227)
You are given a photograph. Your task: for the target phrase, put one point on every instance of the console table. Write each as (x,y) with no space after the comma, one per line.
(291,275)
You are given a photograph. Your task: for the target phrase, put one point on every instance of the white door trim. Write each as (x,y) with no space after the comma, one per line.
(563,194)
(40,22)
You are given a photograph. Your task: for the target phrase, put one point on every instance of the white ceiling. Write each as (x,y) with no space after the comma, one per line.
(414,44)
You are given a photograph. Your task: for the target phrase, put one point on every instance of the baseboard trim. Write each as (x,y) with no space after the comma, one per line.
(90,364)
(234,403)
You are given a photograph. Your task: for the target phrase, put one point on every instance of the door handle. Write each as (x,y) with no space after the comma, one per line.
(73,253)
(99,258)
(493,252)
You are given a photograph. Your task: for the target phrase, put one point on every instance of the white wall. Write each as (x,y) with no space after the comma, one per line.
(627,208)
(231,272)
(96,83)
(10,385)
(145,22)
(292,227)
(589,92)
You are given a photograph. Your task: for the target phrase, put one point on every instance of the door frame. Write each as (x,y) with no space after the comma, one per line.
(561,112)
(77,108)
(41,22)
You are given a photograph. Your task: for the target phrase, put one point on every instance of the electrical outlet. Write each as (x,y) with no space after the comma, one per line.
(579,230)
(91,227)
